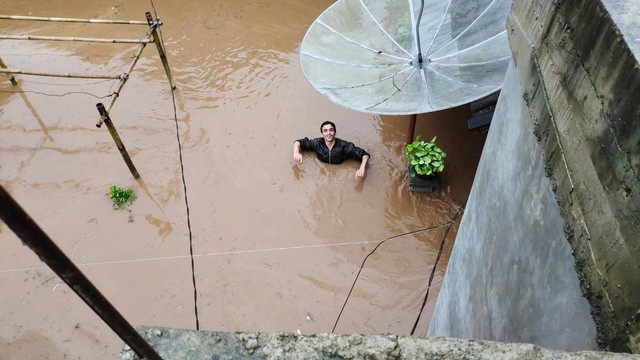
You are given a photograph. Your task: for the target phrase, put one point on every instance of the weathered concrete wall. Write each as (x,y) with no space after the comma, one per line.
(582,85)
(217,345)
(580,81)
(511,276)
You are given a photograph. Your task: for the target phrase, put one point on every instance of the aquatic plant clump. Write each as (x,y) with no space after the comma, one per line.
(121,196)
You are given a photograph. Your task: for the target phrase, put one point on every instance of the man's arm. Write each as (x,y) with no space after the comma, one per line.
(360,172)
(297,155)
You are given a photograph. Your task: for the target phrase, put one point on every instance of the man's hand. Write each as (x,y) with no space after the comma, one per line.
(361,171)
(297,156)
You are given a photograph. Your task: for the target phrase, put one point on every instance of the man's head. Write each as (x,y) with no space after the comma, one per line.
(328,131)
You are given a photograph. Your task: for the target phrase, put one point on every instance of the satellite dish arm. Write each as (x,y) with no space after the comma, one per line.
(418,33)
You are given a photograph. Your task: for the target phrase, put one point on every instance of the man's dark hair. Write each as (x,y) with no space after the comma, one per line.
(328,123)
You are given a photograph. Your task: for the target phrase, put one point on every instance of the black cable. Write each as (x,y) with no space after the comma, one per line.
(186,202)
(186,199)
(371,253)
(433,270)
(56,95)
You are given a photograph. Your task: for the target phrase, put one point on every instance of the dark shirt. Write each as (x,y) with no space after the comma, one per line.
(341,150)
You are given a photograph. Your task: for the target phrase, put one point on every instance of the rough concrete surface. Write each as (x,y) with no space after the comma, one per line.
(570,129)
(580,78)
(511,276)
(204,345)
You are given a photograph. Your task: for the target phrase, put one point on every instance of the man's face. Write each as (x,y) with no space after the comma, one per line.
(328,132)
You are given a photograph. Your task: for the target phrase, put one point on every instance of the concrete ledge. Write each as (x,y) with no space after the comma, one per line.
(214,345)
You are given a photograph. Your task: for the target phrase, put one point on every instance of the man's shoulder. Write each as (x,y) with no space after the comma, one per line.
(342,142)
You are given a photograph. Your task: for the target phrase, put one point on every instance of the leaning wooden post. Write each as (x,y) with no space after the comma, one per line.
(114,134)
(11,78)
(156,39)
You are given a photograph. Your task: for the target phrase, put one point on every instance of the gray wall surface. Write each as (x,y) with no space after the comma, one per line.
(511,275)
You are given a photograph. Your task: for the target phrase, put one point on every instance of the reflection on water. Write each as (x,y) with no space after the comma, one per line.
(295,235)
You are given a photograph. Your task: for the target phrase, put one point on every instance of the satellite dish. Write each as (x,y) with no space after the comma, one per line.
(365,54)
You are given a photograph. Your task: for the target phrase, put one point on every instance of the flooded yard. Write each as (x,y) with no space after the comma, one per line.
(276,246)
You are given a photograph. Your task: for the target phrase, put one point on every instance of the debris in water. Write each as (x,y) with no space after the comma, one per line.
(310,317)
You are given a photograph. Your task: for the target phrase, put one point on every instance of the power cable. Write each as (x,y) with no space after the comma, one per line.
(376,248)
(186,198)
(433,270)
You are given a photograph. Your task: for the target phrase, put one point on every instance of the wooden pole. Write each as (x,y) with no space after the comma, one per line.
(53,19)
(12,214)
(78,39)
(116,138)
(11,78)
(161,50)
(65,75)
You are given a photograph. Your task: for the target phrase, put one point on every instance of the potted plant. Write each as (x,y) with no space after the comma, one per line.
(426,159)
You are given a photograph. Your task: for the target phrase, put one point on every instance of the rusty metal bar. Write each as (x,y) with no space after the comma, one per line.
(11,78)
(54,19)
(411,129)
(78,39)
(65,75)
(161,51)
(35,238)
(104,115)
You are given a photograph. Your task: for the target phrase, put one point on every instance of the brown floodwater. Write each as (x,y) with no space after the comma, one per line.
(276,245)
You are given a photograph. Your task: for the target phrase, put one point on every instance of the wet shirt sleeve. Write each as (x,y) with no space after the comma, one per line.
(354,152)
(306,144)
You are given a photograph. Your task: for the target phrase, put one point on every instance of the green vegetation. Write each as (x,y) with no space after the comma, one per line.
(121,196)
(425,156)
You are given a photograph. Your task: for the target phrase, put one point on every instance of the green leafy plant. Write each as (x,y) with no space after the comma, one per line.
(425,156)
(121,196)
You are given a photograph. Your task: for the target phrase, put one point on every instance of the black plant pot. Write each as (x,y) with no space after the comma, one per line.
(422,183)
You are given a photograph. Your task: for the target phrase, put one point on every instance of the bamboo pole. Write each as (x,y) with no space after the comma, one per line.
(123,80)
(65,75)
(12,214)
(161,50)
(11,78)
(77,39)
(104,115)
(53,19)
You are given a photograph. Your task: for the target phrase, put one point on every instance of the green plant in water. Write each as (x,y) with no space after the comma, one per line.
(121,196)
(425,156)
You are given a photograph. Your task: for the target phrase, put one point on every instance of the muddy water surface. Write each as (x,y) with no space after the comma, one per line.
(277,246)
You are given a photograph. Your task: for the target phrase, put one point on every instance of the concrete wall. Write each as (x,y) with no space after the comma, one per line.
(511,277)
(573,91)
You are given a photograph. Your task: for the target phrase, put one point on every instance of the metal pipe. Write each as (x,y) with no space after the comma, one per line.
(411,129)
(78,39)
(66,75)
(53,19)
(37,240)
(418,34)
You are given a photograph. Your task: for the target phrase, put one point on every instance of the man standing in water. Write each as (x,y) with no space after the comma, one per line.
(330,149)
